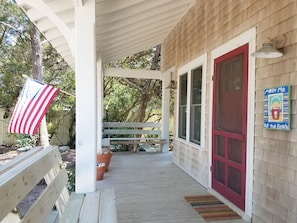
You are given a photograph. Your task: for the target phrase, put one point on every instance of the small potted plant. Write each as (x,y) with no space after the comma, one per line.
(100,170)
(104,156)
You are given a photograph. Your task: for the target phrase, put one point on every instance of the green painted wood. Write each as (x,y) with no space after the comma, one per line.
(130,132)
(90,209)
(131,124)
(73,208)
(107,210)
(17,180)
(41,208)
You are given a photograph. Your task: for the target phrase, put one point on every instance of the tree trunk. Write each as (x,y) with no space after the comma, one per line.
(144,99)
(145,94)
(38,75)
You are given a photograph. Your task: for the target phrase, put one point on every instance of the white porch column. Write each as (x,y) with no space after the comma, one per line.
(86,97)
(165,110)
(100,110)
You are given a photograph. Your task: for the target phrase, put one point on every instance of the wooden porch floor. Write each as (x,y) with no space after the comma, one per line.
(149,188)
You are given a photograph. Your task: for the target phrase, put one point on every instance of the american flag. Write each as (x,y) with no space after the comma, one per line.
(32,105)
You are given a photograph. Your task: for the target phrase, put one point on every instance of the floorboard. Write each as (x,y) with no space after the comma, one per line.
(149,188)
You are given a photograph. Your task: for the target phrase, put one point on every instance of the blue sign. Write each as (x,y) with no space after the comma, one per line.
(277,108)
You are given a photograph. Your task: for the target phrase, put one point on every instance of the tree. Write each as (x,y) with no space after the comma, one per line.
(15,52)
(17,35)
(128,99)
(38,75)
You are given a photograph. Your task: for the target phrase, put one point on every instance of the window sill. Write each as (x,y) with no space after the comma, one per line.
(192,145)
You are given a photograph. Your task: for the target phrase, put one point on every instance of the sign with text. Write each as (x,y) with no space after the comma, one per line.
(277,111)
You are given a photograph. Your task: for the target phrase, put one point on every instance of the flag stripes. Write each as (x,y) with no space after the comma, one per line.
(33,103)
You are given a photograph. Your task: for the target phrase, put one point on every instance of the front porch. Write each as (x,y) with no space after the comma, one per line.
(150,188)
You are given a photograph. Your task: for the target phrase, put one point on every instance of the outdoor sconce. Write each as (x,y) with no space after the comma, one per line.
(172,84)
(270,49)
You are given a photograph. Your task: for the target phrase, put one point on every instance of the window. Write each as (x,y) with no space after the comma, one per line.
(195,112)
(191,105)
(183,80)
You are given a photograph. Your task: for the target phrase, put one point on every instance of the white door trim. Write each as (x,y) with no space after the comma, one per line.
(250,38)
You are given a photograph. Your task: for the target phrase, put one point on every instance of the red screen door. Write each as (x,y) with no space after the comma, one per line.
(229,125)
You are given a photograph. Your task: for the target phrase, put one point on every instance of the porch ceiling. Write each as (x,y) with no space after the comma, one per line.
(122,27)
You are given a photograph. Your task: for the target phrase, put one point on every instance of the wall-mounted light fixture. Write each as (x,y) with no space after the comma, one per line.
(172,84)
(270,48)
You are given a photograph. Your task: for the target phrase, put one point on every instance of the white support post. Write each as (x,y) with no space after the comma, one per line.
(86,97)
(165,111)
(100,109)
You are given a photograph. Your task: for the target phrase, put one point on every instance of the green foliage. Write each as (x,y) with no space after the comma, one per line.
(16,61)
(28,141)
(57,73)
(15,52)
(71,179)
(119,100)
(126,98)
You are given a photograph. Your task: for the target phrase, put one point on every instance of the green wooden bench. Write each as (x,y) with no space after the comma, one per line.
(20,175)
(133,133)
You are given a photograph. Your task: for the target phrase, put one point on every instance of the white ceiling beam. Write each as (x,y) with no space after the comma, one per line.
(52,33)
(123,28)
(56,6)
(118,41)
(58,42)
(138,46)
(140,11)
(45,24)
(127,50)
(137,9)
(62,48)
(135,23)
(132,73)
(146,28)
(47,12)
(106,7)
(69,60)
(66,54)
(78,3)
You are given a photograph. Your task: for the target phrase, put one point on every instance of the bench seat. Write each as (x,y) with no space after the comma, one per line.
(91,207)
(20,175)
(133,133)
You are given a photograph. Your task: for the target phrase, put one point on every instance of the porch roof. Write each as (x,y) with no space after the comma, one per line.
(122,27)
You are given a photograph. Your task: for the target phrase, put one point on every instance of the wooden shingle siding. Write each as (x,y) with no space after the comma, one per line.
(208,25)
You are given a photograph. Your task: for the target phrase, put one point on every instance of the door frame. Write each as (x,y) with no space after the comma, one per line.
(244,38)
(223,188)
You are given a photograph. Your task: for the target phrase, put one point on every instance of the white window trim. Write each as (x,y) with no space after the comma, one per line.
(200,61)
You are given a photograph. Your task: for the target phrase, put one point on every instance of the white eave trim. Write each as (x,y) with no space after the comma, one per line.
(132,73)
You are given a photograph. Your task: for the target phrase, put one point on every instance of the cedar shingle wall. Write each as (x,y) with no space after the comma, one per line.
(207,25)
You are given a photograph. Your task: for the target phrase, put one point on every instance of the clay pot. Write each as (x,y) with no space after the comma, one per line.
(101,168)
(104,158)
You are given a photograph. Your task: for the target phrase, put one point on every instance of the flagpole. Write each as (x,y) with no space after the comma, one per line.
(62,91)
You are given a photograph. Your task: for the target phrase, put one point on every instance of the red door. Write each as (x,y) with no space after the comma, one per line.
(230,125)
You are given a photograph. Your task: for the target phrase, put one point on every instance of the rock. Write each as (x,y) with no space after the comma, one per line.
(63,148)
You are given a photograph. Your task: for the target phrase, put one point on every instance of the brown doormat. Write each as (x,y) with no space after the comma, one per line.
(211,208)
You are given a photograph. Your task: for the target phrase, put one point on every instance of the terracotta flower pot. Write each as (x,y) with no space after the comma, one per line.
(104,158)
(101,168)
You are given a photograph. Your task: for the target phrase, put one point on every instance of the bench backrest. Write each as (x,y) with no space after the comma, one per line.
(19,176)
(124,129)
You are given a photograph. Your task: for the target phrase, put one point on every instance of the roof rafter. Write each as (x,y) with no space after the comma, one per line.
(123,28)
(44,8)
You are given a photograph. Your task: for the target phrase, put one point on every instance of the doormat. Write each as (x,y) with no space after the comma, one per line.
(211,208)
